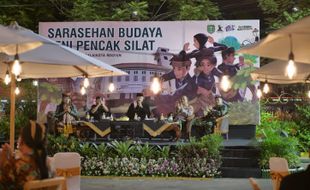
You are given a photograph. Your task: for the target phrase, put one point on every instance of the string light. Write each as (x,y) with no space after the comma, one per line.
(35,83)
(18,79)
(291,68)
(7,78)
(83,90)
(309,94)
(155,86)
(17,91)
(111,87)
(225,83)
(266,87)
(16,68)
(259,93)
(86,82)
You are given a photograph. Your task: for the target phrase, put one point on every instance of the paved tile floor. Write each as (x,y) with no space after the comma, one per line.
(116,183)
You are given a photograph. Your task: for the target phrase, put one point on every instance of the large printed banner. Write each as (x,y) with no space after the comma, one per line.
(144,49)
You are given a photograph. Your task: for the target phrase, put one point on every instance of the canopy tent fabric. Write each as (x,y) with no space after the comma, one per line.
(277,44)
(274,71)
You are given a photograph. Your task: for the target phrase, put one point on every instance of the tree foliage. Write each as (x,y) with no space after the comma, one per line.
(279,13)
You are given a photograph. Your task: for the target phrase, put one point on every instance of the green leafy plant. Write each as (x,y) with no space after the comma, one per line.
(88,149)
(122,149)
(163,152)
(144,151)
(62,144)
(277,146)
(101,150)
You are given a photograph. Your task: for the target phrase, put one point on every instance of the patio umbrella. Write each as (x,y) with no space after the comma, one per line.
(15,37)
(293,38)
(273,72)
(52,60)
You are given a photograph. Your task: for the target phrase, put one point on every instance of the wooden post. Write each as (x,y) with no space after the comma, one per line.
(12,112)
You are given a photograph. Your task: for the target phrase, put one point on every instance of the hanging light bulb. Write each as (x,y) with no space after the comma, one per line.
(35,83)
(17,91)
(309,94)
(86,82)
(225,83)
(111,87)
(16,68)
(83,90)
(266,88)
(291,68)
(7,78)
(259,93)
(18,79)
(155,86)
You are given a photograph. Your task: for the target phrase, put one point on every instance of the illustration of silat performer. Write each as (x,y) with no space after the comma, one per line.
(204,78)
(239,73)
(185,86)
(201,50)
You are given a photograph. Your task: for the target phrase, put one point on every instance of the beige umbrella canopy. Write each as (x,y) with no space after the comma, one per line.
(49,60)
(278,44)
(14,38)
(273,72)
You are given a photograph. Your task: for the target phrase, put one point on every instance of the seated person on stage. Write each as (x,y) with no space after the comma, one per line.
(219,110)
(185,112)
(29,161)
(99,109)
(138,109)
(66,111)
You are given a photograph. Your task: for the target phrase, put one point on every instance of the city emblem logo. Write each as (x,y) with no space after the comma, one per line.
(211,28)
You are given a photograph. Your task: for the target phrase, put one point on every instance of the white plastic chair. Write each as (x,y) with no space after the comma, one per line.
(57,183)
(278,169)
(66,162)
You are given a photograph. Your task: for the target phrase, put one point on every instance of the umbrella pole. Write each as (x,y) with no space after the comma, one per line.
(12,112)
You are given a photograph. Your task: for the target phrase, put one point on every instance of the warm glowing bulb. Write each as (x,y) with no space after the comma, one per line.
(16,68)
(86,82)
(266,88)
(18,79)
(7,78)
(17,91)
(309,94)
(35,83)
(83,90)
(291,69)
(225,83)
(259,93)
(111,87)
(155,86)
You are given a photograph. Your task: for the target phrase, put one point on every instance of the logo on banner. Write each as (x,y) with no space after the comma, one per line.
(219,28)
(244,27)
(230,28)
(211,28)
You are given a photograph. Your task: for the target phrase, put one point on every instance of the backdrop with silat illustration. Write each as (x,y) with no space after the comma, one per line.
(144,49)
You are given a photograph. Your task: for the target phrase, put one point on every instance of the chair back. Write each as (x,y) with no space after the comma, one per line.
(57,183)
(68,164)
(278,169)
(254,184)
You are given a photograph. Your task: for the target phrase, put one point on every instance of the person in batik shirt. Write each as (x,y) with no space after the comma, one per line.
(29,161)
